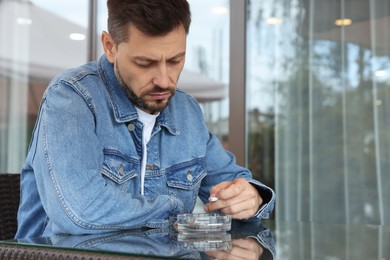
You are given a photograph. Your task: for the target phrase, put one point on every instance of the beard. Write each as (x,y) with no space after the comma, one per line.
(151,107)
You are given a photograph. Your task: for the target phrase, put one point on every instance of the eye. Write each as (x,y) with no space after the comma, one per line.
(144,64)
(174,62)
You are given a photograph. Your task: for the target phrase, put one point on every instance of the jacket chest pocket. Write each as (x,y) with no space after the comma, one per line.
(184,180)
(120,171)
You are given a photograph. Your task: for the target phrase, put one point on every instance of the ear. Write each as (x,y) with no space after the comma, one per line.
(109,46)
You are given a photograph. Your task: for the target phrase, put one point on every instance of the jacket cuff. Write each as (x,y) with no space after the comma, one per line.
(268,196)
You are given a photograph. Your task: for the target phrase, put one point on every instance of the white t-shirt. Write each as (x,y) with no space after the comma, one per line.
(148,120)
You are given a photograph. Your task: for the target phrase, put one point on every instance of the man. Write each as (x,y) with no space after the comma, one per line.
(117,146)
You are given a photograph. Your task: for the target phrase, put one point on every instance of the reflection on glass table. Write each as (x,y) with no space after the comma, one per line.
(289,239)
(314,240)
(244,241)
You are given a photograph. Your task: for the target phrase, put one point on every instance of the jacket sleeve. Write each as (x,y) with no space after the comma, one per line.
(68,164)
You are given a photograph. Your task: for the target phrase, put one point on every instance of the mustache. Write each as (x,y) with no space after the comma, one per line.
(158,89)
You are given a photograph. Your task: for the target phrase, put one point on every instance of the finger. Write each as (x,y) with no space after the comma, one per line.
(249,246)
(242,214)
(234,253)
(234,189)
(240,195)
(243,253)
(221,254)
(243,248)
(215,190)
(228,203)
(239,200)
(238,207)
(240,210)
(245,243)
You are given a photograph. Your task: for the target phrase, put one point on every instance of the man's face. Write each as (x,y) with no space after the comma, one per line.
(148,67)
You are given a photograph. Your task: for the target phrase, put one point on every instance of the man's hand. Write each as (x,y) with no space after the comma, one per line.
(237,198)
(243,248)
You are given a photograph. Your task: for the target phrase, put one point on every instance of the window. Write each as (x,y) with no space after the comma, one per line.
(38,39)
(319,75)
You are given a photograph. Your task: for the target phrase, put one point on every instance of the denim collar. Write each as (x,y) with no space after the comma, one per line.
(123,109)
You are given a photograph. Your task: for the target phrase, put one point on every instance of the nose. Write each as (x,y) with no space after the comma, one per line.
(162,77)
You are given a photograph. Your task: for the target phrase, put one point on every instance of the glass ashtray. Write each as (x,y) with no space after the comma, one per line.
(203,222)
(205,241)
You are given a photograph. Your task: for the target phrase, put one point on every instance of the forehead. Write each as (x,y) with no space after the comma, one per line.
(139,43)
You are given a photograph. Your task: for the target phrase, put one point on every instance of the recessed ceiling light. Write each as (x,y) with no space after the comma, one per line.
(274,21)
(77,36)
(220,10)
(380,73)
(343,22)
(24,21)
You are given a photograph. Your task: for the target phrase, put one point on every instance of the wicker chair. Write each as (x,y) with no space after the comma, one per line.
(9,203)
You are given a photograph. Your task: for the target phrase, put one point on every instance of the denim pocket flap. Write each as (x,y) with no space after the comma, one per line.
(119,169)
(186,177)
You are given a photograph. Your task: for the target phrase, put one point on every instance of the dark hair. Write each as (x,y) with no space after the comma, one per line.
(152,17)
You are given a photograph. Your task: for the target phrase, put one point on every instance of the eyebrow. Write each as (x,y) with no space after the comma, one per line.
(144,58)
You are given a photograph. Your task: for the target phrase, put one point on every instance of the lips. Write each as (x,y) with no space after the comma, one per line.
(160,95)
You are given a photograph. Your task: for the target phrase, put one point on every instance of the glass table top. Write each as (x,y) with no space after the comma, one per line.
(266,240)
(243,241)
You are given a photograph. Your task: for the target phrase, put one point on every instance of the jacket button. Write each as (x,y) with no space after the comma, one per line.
(131,127)
(121,170)
(189,177)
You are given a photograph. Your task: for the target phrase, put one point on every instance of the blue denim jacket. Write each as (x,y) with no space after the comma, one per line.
(82,172)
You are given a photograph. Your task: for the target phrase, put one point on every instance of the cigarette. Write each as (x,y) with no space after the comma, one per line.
(213,199)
